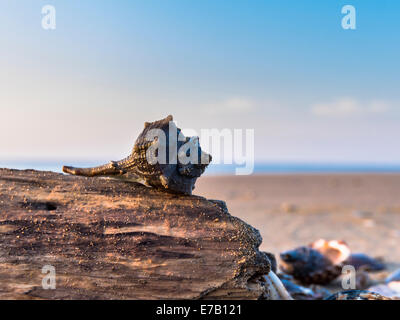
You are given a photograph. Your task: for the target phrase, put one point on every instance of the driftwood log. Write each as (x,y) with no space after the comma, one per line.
(109,239)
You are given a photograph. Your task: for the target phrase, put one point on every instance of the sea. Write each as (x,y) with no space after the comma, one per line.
(231,169)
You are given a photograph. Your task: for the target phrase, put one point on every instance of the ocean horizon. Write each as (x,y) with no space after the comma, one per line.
(229,169)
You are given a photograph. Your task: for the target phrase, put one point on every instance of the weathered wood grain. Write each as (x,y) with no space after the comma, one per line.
(109,239)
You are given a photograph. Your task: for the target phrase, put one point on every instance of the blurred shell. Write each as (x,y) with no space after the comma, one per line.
(394,276)
(309,266)
(361,261)
(318,263)
(336,251)
(299,292)
(363,281)
(357,295)
(389,290)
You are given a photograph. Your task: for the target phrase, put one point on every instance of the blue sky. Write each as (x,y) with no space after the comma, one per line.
(312,91)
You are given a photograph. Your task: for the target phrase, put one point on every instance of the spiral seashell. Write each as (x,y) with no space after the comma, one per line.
(162,157)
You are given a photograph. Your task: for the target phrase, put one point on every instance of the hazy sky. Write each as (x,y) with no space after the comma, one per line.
(311,90)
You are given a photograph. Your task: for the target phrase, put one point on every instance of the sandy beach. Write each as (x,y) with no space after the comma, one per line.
(291,210)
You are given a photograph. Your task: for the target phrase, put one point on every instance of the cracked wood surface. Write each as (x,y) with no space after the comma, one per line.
(109,239)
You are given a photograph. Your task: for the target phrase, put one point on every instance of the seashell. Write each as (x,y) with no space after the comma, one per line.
(320,292)
(357,295)
(339,253)
(391,287)
(361,261)
(336,251)
(275,288)
(322,262)
(308,266)
(390,290)
(298,292)
(394,276)
(142,165)
(318,263)
(363,280)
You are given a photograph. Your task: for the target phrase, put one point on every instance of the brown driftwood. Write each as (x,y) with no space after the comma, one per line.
(109,239)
